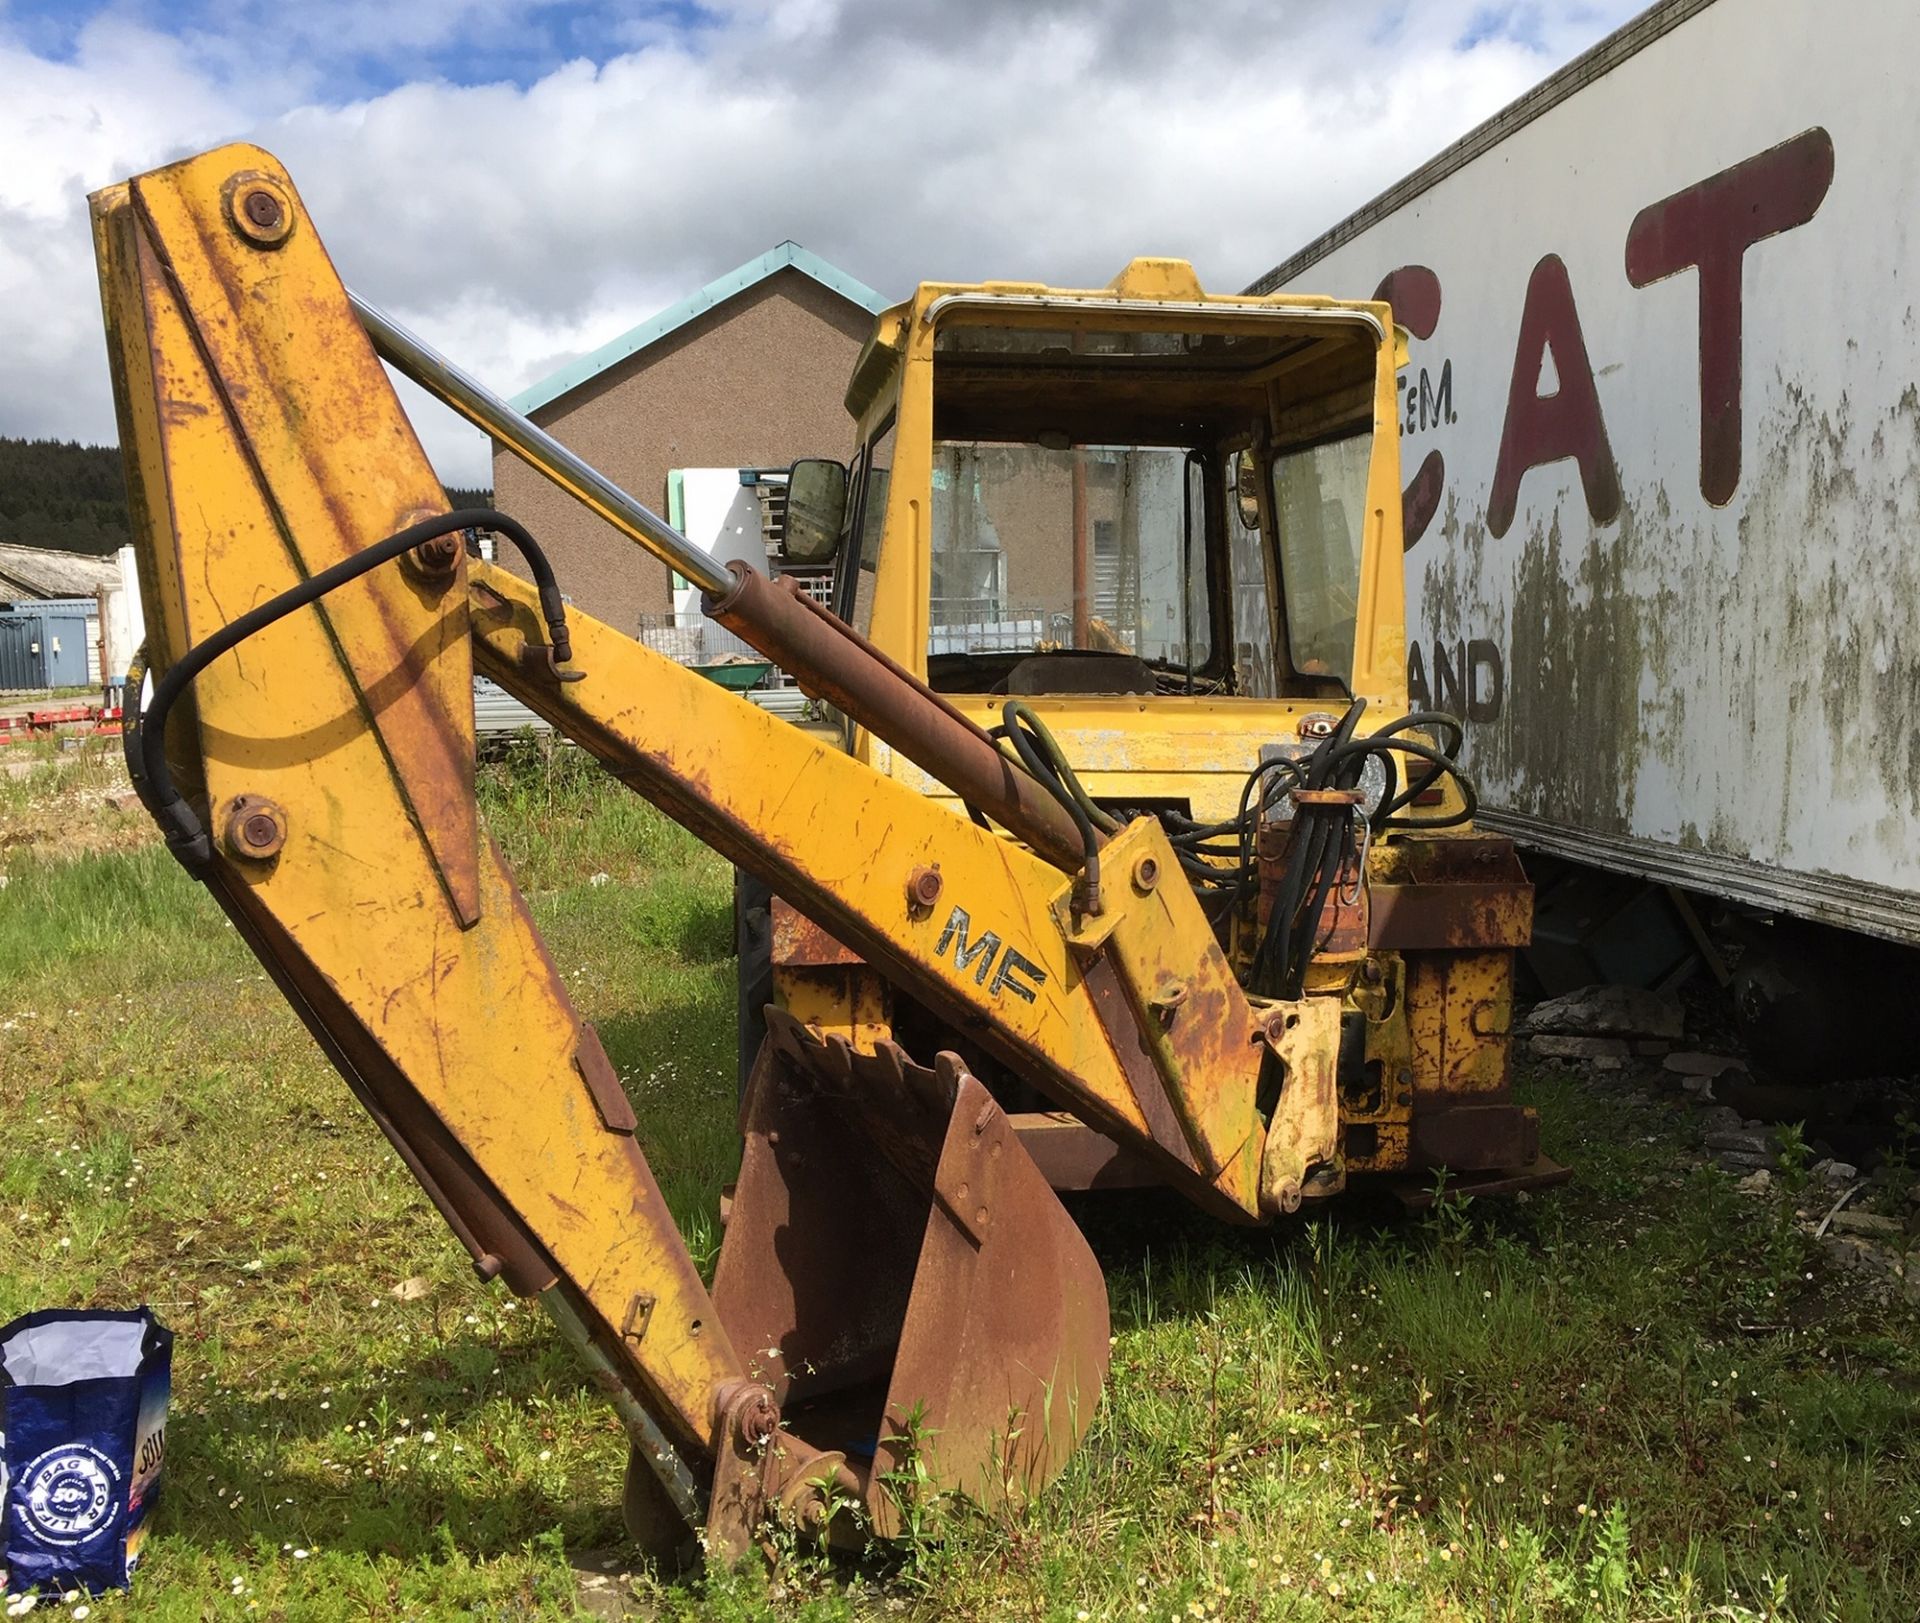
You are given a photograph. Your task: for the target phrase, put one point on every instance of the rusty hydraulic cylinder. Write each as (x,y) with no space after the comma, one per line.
(833,662)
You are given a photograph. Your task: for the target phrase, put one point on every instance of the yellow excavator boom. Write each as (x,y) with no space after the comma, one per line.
(897,1274)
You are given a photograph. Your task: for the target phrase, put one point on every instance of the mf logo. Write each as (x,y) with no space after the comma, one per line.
(1011,971)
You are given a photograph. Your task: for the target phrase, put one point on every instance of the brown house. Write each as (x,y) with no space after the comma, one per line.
(749,372)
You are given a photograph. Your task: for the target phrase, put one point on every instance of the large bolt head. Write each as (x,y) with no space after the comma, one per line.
(923,889)
(255,829)
(260,209)
(438,556)
(759,1419)
(432,563)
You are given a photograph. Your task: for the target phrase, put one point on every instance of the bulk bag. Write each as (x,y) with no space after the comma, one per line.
(83,1417)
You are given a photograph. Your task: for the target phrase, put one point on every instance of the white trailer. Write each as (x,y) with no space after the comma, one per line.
(1661,433)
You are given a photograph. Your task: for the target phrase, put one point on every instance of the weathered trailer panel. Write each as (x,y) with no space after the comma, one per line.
(1662,438)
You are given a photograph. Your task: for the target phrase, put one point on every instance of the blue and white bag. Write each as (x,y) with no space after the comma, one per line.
(83,1418)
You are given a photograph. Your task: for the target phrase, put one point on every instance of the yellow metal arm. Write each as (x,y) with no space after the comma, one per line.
(325,769)
(323,772)
(333,754)
(1132,1018)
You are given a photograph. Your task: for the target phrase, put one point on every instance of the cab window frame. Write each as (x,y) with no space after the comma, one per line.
(1294,682)
(851,559)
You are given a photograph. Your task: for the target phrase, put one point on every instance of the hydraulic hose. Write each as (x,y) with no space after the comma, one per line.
(1321,842)
(146,747)
(1218,858)
(1047,763)
(1324,834)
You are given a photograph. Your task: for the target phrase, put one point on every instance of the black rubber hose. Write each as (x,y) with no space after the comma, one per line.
(1313,854)
(1319,845)
(130,723)
(1301,942)
(1042,757)
(1249,825)
(186,836)
(1443,762)
(1440,760)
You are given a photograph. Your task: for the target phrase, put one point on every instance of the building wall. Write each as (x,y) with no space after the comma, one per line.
(756,382)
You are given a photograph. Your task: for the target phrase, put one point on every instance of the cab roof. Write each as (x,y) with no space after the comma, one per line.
(1002,338)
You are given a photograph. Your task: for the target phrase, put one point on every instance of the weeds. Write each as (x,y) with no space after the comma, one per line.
(1560,1409)
(1787,1242)
(922,1509)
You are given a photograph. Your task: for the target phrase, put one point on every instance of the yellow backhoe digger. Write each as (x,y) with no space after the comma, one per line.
(1117,858)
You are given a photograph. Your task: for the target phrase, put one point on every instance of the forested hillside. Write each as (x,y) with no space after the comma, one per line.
(71,498)
(61,495)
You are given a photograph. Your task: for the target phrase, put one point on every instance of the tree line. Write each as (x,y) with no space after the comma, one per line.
(68,497)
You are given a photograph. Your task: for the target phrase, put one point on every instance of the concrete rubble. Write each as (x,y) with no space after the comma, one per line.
(1635,1038)
(1609,1011)
(1695,1064)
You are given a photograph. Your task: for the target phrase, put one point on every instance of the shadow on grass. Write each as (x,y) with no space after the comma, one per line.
(675,1060)
(249,1471)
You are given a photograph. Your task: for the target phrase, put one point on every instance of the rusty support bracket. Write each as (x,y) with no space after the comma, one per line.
(603,1082)
(1304,1133)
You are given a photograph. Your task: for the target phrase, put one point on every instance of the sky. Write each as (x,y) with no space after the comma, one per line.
(519,181)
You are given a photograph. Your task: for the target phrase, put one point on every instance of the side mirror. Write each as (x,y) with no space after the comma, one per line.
(816,510)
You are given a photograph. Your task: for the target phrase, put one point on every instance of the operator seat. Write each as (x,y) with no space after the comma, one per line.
(1078,671)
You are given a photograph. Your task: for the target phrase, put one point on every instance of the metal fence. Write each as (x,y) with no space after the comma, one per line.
(985,625)
(701,643)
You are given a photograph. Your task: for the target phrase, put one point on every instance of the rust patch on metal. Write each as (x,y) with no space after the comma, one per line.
(1340,934)
(1542,1174)
(799,942)
(760,1472)
(1452,892)
(1475,1137)
(1072,1155)
(1143,1077)
(1409,918)
(1198,1012)
(603,1082)
(938,1273)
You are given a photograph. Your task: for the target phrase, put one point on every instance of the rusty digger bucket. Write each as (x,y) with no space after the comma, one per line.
(900,1274)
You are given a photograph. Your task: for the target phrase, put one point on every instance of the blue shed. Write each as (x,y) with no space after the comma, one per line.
(43,642)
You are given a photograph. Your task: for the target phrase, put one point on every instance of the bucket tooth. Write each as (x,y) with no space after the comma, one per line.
(902,1278)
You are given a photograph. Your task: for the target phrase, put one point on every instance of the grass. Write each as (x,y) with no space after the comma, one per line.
(1638,1397)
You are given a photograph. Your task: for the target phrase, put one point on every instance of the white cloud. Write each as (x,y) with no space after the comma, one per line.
(515,226)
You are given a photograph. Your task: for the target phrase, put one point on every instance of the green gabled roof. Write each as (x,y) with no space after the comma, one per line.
(788,256)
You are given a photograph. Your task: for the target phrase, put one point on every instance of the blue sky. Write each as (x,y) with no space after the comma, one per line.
(470,42)
(465,44)
(596,162)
